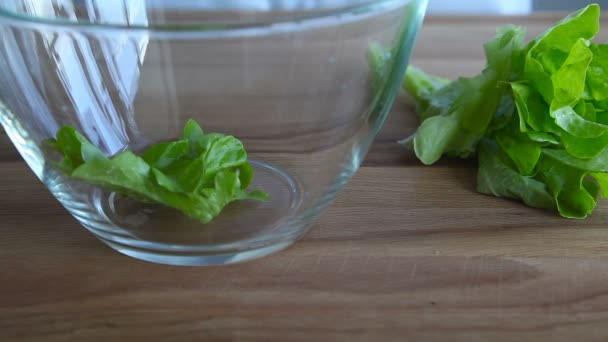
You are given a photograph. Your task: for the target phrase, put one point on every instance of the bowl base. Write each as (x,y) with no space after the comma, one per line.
(244,230)
(178,259)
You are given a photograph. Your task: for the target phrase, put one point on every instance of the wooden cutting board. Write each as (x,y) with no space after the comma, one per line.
(407,253)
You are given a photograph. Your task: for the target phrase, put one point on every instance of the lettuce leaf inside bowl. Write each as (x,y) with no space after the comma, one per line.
(198,174)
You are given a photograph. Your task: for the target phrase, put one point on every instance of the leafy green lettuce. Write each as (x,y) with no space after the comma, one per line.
(198,174)
(457,115)
(536,117)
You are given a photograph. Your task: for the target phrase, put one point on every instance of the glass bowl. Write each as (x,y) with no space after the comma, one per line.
(290,79)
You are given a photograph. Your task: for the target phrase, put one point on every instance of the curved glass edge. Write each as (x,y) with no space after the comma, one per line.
(7,16)
(401,53)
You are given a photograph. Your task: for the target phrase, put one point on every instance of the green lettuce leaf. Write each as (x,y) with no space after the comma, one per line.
(164,155)
(497,177)
(378,60)
(602,181)
(422,87)
(548,52)
(597,74)
(428,104)
(462,111)
(198,174)
(569,80)
(583,147)
(523,151)
(545,140)
(570,121)
(532,110)
(574,195)
(597,164)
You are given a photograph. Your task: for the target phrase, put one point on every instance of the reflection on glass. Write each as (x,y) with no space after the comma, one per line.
(90,77)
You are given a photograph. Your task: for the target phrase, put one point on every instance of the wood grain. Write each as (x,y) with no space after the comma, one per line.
(408,253)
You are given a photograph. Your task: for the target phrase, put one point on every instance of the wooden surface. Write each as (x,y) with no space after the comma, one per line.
(407,253)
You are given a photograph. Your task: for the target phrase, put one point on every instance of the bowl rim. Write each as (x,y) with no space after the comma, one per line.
(15,18)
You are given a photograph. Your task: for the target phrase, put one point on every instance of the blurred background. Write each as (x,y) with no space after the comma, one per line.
(438,7)
(506,7)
